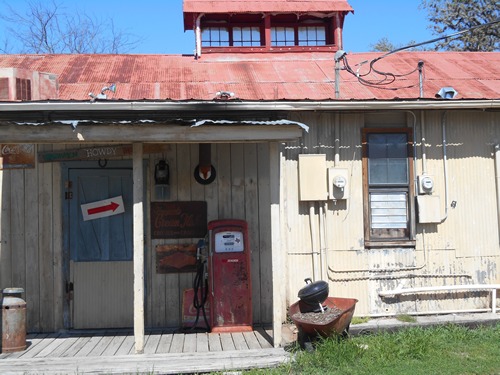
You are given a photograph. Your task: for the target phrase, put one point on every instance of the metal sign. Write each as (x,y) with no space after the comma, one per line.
(16,156)
(178,219)
(104,208)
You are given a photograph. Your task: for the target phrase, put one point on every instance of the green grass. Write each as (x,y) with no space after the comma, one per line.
(443,350)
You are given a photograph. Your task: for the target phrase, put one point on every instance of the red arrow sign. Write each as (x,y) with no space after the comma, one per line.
(109,207)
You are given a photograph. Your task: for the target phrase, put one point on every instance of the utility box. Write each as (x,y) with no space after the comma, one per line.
(312,177)
(338,183)
(428,207)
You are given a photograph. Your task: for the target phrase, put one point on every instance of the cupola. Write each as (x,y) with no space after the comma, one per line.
(265,25)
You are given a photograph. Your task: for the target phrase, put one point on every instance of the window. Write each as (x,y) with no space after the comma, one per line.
(388,186)
(23,89)
(215,37)
(312,36)
(282,36)
(298,36)
(229,36)
(246,36)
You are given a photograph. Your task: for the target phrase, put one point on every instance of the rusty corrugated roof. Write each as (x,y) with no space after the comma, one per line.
(268,76)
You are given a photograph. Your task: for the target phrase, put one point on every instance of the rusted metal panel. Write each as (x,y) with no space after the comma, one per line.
(269,76)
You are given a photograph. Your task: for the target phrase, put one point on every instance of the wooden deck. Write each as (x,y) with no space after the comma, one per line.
(165,352)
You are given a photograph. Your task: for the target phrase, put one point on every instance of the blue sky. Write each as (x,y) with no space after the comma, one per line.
(159,22)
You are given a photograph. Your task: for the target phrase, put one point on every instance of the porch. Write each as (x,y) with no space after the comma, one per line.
(165,352)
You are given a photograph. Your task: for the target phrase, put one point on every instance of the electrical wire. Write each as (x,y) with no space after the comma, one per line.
(388,77)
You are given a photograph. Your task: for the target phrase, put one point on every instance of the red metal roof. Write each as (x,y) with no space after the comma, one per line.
(266,6)
(192,8)
(269,76)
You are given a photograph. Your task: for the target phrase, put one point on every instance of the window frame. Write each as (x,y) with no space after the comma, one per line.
(408,239)
(230,29)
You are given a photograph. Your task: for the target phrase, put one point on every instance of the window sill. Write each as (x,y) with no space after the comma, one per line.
(378,244)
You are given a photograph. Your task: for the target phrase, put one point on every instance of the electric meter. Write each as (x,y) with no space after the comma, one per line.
(339,181)
(426,184)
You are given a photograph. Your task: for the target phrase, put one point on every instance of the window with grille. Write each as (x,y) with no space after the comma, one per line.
(388,185)
(282,36)
(246,36)
(215,37)
(312,36)
(23,89)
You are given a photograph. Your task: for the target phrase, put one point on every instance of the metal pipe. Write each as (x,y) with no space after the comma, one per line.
(497,178)
(197,33)
(314,247)
(254,105)
(491,287)
(445,169)
(423,140)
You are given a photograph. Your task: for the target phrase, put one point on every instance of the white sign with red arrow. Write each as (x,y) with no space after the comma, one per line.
(104,208)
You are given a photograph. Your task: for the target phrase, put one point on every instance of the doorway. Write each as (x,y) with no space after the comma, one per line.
(100,244)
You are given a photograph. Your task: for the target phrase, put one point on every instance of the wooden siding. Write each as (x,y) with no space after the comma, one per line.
(32,230)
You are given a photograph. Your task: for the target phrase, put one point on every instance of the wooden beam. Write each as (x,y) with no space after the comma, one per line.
(147,133)
(138,229)
(277,262)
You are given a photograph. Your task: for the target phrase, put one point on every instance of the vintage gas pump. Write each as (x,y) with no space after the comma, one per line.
(230,288)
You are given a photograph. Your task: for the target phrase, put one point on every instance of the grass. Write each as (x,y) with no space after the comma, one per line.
(442,350)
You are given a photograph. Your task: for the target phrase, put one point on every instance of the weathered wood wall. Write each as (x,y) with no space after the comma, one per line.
(31,244)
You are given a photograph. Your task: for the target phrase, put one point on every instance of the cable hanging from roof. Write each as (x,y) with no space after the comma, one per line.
(388,78)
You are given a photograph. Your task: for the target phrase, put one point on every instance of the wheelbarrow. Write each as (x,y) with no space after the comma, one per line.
(337,325)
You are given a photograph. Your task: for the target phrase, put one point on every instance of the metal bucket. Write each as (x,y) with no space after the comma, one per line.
(13,321)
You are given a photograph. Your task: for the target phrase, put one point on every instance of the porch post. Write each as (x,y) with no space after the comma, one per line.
(276,256)
(138,248)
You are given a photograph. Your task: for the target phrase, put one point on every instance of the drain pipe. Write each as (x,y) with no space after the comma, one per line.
(314,231)
(197,34)
(445,169)
(497,178)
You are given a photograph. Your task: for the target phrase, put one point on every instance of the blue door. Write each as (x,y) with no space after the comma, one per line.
(100,249)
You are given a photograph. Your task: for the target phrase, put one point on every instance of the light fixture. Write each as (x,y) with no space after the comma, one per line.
(162,173)
(102,95)
(446,93)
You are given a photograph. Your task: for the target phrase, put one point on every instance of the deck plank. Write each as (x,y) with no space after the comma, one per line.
(177,343)
(127,345)
(76,347)
(88,347)
(239,341)
(150,364)
(165,343)
(251,340)
(49,349)
(152,344)
(67,343)
(114,345)
(214,343)
(101,346)
(34,350)
(263,338)
(189,343)
(202,342)
(31,343)
(227,341)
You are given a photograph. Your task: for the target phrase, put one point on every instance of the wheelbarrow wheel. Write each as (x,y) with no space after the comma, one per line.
(304,341)
(345,333)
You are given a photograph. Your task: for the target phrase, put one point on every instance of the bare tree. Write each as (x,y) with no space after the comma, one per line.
(46,28)
(481,17)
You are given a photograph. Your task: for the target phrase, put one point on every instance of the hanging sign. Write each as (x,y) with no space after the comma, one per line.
(104,208)
(178,219)
(15,156)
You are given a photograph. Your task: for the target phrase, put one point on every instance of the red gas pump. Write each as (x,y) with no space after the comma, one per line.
(230,287)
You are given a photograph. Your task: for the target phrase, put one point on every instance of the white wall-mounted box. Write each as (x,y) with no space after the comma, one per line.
(429,209)
(312,177)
